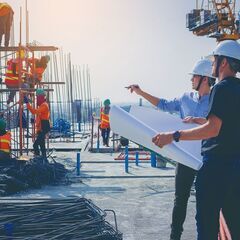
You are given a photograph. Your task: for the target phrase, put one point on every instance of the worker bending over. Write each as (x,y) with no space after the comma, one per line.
(37,68)
(29,78)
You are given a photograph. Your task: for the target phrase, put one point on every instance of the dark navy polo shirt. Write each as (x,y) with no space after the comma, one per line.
(224,103)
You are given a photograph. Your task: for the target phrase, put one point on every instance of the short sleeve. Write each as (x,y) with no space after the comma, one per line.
(218,102)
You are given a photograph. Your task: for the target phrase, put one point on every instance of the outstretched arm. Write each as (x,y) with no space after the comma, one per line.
(38,110)
(152,99)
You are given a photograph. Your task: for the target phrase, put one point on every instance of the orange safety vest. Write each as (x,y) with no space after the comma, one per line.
(39,72)
(42,113)
(5,142)
(36,72)
(104,118)
(11,76)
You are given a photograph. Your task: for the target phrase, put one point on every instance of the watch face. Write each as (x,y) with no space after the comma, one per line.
(176,136)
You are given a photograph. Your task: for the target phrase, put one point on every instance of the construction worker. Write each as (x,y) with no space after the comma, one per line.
(192,108)
(42,121)
(217,183)
(11,78)
(6,18)
(104,122)
(5,144)
(37,68)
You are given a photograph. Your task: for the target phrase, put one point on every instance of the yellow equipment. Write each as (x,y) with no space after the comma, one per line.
(215,19)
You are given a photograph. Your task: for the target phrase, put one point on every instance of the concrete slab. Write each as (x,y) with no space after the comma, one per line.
(143,203)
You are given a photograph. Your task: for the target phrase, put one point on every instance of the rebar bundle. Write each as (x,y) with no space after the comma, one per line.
(20,175)
(69,218)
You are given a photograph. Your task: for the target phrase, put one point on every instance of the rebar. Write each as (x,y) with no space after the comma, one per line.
(68,218)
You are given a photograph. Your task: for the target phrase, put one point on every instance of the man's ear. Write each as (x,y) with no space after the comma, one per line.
(224,62)
(205,79)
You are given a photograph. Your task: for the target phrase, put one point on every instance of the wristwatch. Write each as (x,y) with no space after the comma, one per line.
(176,136)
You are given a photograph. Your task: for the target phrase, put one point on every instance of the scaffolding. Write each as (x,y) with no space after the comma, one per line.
(15,113)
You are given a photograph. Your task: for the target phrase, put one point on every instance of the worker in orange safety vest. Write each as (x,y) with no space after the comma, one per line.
(104,122)
(6,18)
(11,78)
(37,68)
(42,122)
(5,143)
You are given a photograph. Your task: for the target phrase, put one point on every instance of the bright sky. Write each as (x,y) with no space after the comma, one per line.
(123,42)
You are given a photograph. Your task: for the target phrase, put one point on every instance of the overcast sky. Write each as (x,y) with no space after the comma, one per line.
(123,42)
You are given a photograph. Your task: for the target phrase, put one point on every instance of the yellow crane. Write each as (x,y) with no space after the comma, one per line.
(215,19)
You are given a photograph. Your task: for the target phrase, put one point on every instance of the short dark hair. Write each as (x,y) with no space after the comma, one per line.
(211,81)
(234,64)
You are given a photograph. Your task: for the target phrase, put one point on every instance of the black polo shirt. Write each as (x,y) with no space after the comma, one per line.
(224,103)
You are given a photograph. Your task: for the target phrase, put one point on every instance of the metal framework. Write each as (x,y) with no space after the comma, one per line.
(215,19)
(22,53)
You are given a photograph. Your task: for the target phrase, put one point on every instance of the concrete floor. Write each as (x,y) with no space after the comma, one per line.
(142,198)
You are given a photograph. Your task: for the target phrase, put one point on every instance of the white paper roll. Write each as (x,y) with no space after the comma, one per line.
(135,130)
(165,122)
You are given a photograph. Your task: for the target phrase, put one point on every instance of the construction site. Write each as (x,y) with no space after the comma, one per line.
(67,171)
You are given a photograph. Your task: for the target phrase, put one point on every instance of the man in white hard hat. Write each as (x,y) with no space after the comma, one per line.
(192,107)
(218,181)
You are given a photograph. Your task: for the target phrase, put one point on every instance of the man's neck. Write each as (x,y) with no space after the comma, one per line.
(203,91)
(225,75)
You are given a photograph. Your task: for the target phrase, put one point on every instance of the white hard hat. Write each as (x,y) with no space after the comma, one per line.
(203,68)
(228,48)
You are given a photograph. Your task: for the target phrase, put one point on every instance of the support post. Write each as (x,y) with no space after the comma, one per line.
(137,158)
(78,164)
(126,159)
(153,159)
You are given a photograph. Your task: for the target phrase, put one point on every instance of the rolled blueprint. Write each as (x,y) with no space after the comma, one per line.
(164,122)
(128,126)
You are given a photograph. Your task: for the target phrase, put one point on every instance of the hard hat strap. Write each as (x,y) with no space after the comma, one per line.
(219,61)
(200,83)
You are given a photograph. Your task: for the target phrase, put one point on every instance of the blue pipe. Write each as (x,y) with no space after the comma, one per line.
(153,160)
(126,159)
(78,164)
(137,158)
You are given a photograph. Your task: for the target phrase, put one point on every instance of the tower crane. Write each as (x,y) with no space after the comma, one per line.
(215,19)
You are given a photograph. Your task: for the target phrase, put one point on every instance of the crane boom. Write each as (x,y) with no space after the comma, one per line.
(216,19)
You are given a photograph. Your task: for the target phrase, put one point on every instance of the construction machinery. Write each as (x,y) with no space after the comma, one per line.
(215,19)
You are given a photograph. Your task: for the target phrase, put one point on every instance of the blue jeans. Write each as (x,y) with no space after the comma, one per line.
(218,187)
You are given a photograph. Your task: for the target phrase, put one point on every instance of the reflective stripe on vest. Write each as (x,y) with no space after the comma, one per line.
(5,142)
(11,79)
(104,119)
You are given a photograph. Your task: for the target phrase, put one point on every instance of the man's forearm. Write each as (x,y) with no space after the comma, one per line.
(205,131)
(153,100)
(199,120)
